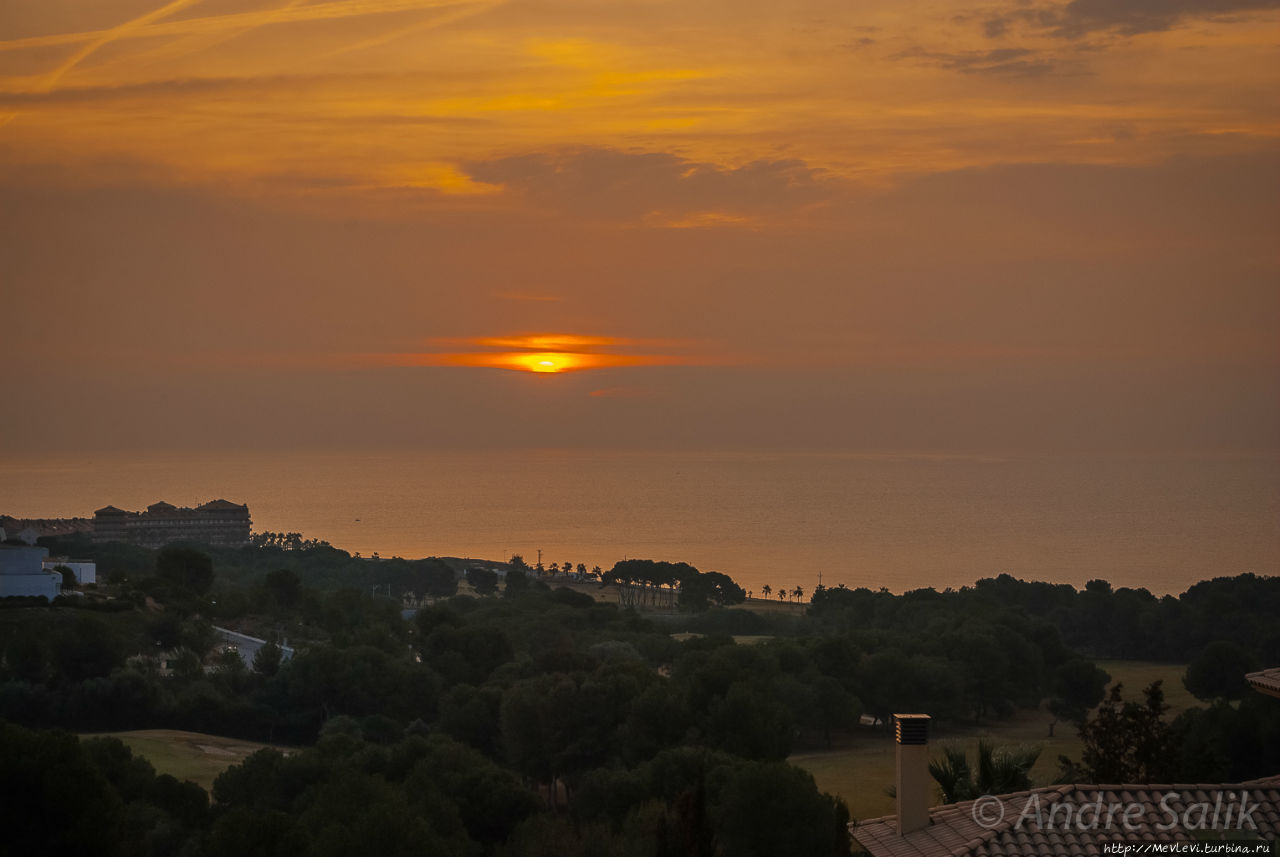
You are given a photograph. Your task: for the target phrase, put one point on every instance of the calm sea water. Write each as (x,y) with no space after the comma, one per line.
(899,521)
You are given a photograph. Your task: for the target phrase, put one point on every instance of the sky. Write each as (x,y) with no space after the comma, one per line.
(809,225)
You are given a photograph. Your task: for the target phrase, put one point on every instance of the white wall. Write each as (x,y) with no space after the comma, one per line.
(86,570)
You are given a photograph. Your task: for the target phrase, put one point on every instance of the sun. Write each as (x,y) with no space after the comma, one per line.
(548,362)
(548,354)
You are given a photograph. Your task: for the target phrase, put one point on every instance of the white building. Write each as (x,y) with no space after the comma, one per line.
(22,573)
(86,570)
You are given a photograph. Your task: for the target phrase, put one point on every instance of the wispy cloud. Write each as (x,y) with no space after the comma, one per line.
(1019,62)
(657,187)
(1080,18)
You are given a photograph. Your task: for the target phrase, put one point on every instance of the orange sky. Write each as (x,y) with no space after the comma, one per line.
(804,224)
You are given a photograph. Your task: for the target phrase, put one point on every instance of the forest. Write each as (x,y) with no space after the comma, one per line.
(539,720)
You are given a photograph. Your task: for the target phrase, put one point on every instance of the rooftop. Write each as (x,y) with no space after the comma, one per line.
(222,506)
(1086,818)
(1265,681)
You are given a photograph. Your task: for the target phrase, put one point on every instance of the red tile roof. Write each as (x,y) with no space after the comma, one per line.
(1265,681)
(1010,826)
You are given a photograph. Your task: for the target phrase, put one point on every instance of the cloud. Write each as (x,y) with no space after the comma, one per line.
(660,187)
(1080,18)
(1019,62)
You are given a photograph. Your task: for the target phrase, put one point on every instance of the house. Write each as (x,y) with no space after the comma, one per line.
(29,529)
(247,647)
(19,532)
(22,573)
(85,570)
(1063,820)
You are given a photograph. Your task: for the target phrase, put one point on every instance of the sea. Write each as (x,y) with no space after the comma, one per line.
(897,520)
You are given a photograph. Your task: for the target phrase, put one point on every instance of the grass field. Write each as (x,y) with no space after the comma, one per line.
(185,755)
(862,768)
(773,607)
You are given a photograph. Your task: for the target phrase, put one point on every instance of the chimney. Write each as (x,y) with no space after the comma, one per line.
(912,734)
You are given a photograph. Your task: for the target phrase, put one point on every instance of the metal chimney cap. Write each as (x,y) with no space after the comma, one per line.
(911,728)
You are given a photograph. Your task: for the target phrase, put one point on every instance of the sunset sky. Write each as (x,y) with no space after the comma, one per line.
(806,225)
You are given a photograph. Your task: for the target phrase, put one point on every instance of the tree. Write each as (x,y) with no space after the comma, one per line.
(767,590)
(1078,685)
(198,635)
(84,648)
(769,809)
(749,721)
(1126,742)
(483,580)
(185,567)
(266,661)
(68,577)
(516,582)
(56,802)
(284,587)
(699,590)
(27,658)
(491,802)
(798,592)
(998,771)
(1218,672)
(229,662)
(166,630)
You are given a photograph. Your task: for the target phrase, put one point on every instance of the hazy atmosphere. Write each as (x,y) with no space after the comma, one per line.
(821,225)
(514,428)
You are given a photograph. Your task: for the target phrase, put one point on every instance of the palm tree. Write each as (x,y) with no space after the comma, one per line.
(999,771)
(767,590)
(799,592)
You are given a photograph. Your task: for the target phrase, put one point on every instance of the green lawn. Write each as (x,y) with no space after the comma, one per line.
(186,755)
(863,766)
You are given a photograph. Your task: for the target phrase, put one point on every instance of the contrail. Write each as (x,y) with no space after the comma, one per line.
(447,18)
(111,35)
(204,41)
(220,23)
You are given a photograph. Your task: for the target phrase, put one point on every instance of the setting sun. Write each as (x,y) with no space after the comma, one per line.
(574,353)
(546,362)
